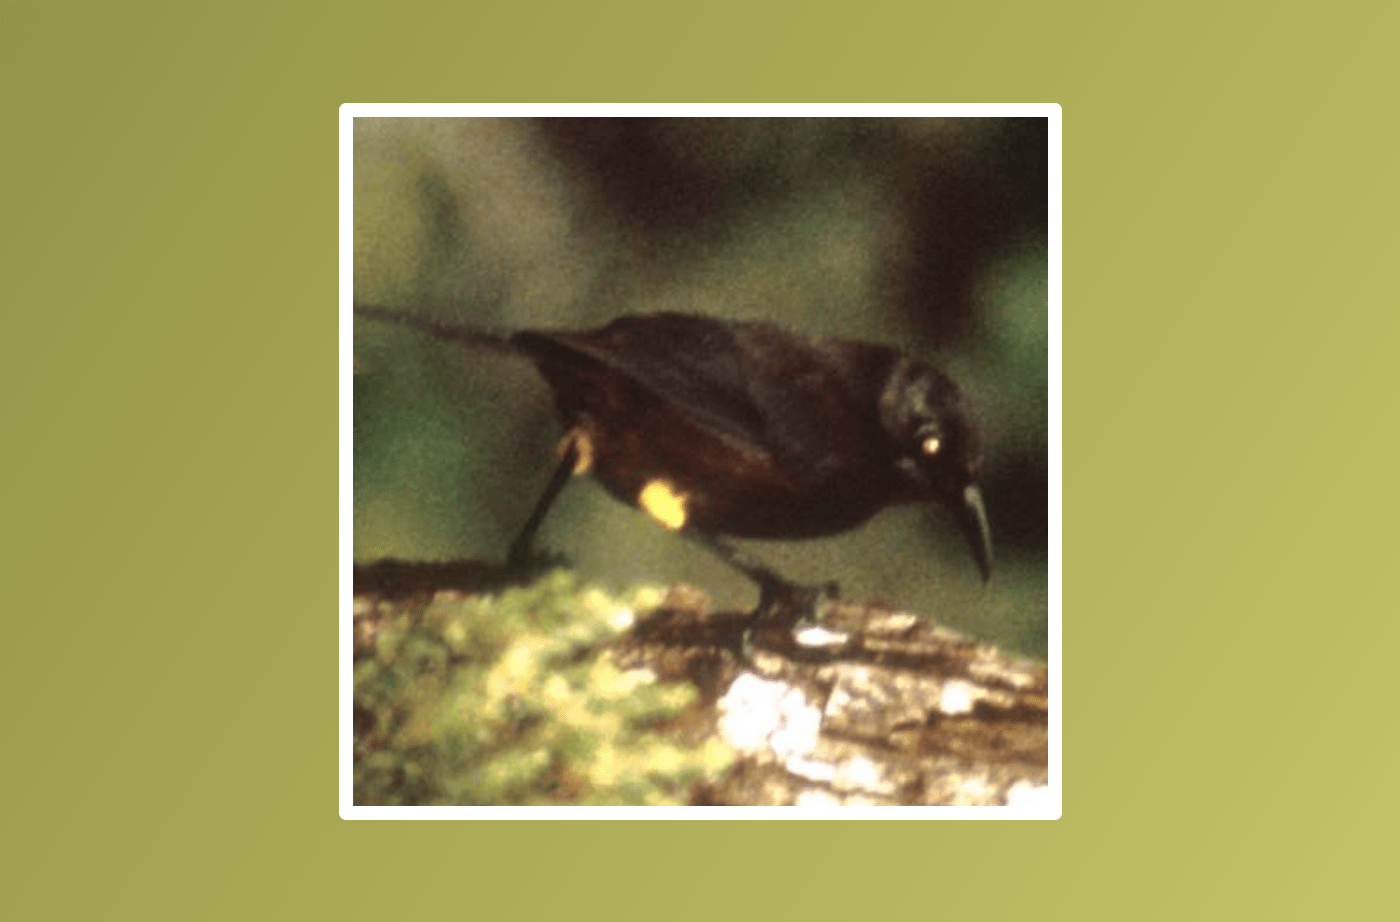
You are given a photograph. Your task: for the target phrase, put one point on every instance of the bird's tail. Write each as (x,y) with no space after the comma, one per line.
(453,332)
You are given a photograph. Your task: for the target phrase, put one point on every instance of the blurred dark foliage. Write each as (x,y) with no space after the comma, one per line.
(692,178)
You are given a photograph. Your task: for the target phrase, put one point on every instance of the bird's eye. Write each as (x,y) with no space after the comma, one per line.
(930,436)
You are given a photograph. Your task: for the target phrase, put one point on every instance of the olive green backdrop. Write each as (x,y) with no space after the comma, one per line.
(171,362)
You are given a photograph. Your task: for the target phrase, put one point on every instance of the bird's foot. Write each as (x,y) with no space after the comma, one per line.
(787,607)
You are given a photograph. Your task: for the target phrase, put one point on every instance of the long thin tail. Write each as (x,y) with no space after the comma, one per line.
(468,336)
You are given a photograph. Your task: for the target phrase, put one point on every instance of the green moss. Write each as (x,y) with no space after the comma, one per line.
(514,699)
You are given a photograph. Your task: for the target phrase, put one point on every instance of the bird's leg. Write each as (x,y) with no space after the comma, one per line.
(519,556)
(779,599)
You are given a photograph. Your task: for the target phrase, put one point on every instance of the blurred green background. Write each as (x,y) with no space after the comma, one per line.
(929,234)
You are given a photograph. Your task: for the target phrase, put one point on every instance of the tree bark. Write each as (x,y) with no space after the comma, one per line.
(875,707)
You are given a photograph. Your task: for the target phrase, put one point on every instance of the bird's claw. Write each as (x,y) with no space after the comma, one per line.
(787,606)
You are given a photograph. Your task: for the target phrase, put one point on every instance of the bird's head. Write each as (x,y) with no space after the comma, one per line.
(937,448)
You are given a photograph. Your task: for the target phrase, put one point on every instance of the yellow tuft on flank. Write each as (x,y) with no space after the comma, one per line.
(663,503)
(580,439)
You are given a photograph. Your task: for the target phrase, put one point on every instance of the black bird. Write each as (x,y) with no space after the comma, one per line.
(749,430)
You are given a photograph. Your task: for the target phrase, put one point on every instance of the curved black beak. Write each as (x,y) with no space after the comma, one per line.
(972,519)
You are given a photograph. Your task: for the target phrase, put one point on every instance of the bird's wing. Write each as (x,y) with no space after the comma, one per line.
(768,390)
(690,363)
